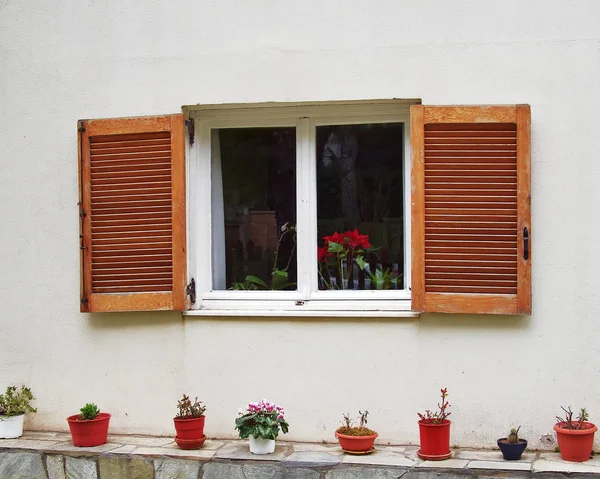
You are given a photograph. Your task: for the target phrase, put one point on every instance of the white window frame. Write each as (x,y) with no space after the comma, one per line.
(308,300)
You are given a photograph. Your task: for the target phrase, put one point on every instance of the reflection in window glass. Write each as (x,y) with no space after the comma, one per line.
(254,208)
(360,206)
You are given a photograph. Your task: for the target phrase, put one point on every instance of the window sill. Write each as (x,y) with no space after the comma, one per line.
(261,313)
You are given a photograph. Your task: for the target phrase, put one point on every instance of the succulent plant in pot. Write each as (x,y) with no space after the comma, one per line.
(14,403)
(89,427)
(575,436)
(434,432)
(260,423)
(189,423)
(512,446)
(356,439)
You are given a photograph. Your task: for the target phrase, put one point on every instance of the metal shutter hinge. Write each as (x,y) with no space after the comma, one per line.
(191,291)
(190,128)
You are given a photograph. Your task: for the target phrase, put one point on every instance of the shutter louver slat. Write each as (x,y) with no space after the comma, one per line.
(467,188)
(134,197)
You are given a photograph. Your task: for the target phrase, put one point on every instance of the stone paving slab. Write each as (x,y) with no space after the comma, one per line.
(387,457)
(447,464)
(198,454)
(312,459)
(238,450)
(68,447)
(500,465)
(50,455)
(492,455)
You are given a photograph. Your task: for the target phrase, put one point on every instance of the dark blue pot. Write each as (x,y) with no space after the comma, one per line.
(512,451)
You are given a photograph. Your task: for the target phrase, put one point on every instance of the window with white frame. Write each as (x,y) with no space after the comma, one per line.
(300,207)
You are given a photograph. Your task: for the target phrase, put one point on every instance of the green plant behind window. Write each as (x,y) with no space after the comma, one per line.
(88,412)
(16,401)
(279,277)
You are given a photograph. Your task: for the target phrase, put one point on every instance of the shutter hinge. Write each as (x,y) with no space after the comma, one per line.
(190,128)
(85,300)
(191,291)
(82,213)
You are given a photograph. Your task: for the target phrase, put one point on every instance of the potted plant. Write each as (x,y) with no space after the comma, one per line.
(356,439)
(434,431)
(89,427)
(189,423)
(260,423)
(14,403)
(512,447)
(575,437)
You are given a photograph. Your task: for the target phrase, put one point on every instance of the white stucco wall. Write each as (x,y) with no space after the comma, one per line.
(61,61)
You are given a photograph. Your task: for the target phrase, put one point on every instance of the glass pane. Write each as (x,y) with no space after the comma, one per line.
(360,206)
(254,208)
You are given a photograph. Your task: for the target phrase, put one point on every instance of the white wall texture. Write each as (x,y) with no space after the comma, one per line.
(65,60)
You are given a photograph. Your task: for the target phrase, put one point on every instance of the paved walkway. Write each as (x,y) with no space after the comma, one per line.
(52,456)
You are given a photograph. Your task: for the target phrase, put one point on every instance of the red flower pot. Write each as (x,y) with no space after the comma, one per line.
(575,445)
(356,443)
(435,441)
(88,433)
(190,443)
(189,428)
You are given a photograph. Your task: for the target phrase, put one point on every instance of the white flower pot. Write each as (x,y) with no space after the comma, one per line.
(261,446)
(11,426)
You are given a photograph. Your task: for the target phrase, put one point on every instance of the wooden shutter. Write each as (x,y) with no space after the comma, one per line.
(471,209)
(132,200)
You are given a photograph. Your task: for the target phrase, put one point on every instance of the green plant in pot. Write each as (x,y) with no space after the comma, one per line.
(189,423)
(434,431)
(575,436)
(356,439)
(90,427)
(14,403)
(512,446)
(260,423)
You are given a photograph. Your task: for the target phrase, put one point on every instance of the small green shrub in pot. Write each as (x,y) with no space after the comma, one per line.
(88,412)
(89,427)
(14,403)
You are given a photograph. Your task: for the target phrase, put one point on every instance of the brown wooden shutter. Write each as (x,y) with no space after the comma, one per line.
(470,209)
(132,194)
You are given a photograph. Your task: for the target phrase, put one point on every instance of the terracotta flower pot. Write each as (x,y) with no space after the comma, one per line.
(575,445)
(435,441)
(356,443)
(189,428)
(88,433)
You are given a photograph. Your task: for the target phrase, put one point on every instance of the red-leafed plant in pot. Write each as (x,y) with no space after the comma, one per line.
(434,431)
(356,439)
(89,427)
(189,423)
(575,437)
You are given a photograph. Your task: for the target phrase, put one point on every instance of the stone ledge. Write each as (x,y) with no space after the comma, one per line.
(53,456)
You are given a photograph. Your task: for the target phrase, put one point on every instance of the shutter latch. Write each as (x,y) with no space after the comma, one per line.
(190,128)
(191,291)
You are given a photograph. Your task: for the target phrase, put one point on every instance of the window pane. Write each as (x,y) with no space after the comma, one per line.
(254,208)
(360,206)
